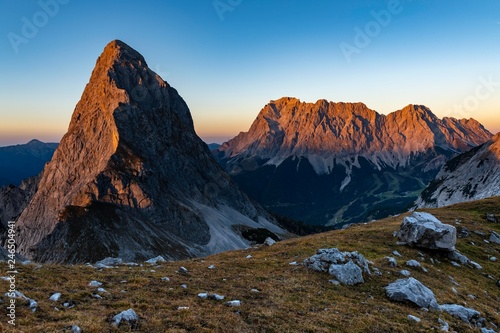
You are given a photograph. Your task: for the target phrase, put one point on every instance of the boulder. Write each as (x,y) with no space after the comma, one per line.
(129,316)
(108,262)
(491,218)
(413,291)
(347,267)
(426,231)
(459,311)
(349,274)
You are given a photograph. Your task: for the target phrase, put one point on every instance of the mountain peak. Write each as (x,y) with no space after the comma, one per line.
(118,50)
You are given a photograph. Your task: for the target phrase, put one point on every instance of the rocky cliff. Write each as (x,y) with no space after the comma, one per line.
(336,163)
(470,176)
(132,179)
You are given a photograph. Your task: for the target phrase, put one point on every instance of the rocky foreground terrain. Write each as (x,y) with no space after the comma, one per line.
(368,278)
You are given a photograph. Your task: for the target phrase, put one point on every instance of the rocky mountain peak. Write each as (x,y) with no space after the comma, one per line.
(131,163)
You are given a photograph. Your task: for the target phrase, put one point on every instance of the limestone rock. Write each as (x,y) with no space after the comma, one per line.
(472,175)
(426,231)
(131,164)
(459,311)
(413,291)
(349,273)
(128,316)
(495,237)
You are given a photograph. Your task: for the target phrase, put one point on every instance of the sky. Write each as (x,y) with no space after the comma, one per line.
(229,58)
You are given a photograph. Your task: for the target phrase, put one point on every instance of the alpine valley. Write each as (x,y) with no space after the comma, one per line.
(334,164)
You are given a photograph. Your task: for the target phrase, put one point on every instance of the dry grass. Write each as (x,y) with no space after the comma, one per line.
(291,298)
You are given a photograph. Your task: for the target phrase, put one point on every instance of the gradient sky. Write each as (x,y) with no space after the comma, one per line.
(227,63)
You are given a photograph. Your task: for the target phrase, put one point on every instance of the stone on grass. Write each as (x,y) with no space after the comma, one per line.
(392,261)
(128,316)
(487,330)
(348,274)
(95,283)
(155,260)
(457,256)
(269,241)
(234,303)
(108,262)
(495,237)
(55,297)
(413,318)
(459,311)
(445,327)
(183,270)
(347,267)
(19,295)
(413,263)
(76,329)
(413,291)
(405,272)
(491,218)
(426,231)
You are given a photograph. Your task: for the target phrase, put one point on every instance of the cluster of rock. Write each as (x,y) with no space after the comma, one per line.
(346,267)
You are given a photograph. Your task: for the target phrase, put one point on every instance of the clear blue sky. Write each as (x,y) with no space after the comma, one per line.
(229,62)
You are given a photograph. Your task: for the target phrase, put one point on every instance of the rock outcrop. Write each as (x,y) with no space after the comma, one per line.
(131,179)
(470,176)
(339,163)
(426,231)
(412,291)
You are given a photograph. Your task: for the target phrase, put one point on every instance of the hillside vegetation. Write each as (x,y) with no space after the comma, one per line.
(290,298)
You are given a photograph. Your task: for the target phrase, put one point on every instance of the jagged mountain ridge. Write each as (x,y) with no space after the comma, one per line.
(326,130)
(132,179)
(470,176)
(336,163)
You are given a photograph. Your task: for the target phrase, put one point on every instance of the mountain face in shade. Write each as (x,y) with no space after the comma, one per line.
(336,163)
(470,176)
(23,161)
(131,179)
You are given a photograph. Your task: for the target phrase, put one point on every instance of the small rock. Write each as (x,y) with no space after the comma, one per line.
(335,282)
(248,257)
(294,263)
(211,267)
(108,262)
(493,259)
(269,241)
(445,327)
(495,237)
(454,263)
(459,311)
(165,278)
(203,295)
(486,330)
(76,329)
(413,318)
(94,283)
(413,291)
(233,303)
(217,297)
(404,272)
(101,290)
(183,270)
(155,260)
(396,253)
(392,261)
(253,290)
(480,233)
(55,297)
(463,232)
(97,296)
(184,286)
(129,316)
(413,263)
(491,218)
(183,308)
(454,290)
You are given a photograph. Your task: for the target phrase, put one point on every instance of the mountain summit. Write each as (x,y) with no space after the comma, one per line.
(336,163)
(131,178)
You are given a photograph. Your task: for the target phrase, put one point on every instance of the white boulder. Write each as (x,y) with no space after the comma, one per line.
(413,291)
(426,231)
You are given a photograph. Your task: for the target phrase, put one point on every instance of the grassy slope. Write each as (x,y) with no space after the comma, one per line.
(292,298)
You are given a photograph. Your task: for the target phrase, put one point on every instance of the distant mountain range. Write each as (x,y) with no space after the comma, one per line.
(470,176)
(131,178)
(23,161)
(332,164)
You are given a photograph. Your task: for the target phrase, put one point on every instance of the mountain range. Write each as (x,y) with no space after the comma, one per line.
(131,179)
(23,161)
(332,164)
